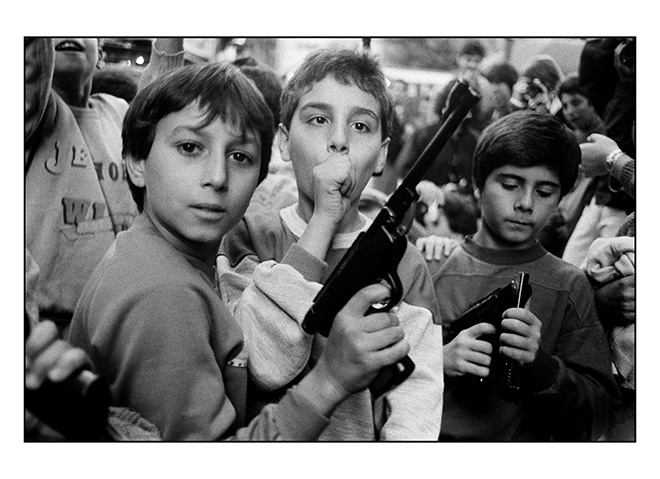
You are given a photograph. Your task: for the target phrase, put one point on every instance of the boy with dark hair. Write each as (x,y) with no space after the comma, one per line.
(334,130)
(196,142)
(469,58)
(523,164)
(577,109)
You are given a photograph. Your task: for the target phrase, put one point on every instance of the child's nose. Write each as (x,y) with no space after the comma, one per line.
(338,141)
(525,200)
(215,173)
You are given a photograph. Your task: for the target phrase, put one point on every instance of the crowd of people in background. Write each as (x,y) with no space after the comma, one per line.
(195,318)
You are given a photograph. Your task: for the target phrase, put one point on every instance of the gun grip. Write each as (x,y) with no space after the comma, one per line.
(391,376)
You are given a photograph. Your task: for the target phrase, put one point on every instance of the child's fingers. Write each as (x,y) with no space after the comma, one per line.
(44,334)
(529,327)
(72,360)
(378,321)
(476,365)
(481,329)
(43,363)
(390,354)
(479,358)
(517,354)
(520,314)
(384,338)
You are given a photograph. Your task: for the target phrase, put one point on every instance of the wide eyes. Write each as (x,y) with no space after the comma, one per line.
(362,127)
(240,157)
(188,148)
(359,126)
(318,120)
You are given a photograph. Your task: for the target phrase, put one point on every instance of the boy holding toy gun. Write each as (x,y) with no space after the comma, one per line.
(334,130)
(523,164)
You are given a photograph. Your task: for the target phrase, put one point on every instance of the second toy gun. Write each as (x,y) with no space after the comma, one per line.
(504,373)
(376,252)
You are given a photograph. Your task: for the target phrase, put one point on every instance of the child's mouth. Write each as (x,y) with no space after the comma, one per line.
(69,46)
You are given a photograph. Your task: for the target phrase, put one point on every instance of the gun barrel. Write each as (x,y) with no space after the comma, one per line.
(461,99)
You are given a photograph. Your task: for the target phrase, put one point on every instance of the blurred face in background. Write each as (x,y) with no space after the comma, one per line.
(468,65)
(578,110)
(501,94)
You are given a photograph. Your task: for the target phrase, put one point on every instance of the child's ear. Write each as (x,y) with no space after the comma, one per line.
(136,171)
(382,156)
(283,142)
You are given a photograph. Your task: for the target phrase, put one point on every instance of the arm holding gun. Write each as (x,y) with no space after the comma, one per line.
(376,253)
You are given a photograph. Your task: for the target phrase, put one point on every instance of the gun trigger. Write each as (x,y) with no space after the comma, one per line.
(396,289)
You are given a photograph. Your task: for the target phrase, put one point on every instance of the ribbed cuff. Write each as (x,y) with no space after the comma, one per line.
(541,373)
(305,263)
(623,169)
(166,60)
(298,419)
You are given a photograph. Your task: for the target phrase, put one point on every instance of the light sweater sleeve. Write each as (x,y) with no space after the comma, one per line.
(269,300)
(159,64)
(413,410)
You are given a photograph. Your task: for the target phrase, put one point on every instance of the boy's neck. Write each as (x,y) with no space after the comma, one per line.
(205,253)
(73,96)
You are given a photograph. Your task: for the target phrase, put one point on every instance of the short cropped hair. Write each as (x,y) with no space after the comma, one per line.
(473,47)
(222,91)
(346,66)
(527,138)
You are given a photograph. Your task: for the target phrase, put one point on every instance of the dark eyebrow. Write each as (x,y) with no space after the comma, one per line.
(520,179)
(315,105)
(245,137)
(325,107)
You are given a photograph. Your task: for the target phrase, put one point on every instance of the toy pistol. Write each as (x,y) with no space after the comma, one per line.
(375,254)
(504,372)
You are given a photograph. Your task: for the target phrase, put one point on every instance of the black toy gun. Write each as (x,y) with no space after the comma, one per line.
(375,254)
(504,372)
(77,407)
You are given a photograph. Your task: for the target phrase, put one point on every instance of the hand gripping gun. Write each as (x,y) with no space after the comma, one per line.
(376,252)
(504,373)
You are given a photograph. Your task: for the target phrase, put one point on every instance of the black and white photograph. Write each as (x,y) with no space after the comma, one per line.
(343,243)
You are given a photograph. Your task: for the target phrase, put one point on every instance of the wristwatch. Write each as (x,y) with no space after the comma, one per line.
(611,158)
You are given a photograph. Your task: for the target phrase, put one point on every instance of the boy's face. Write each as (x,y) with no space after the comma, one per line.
(333,118)
(469,63)
(198,181)
(577,110)
(516,203)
